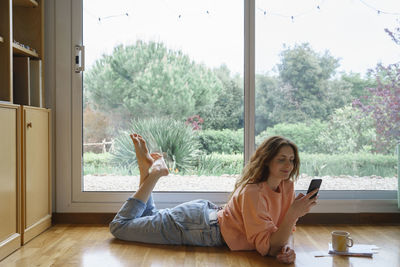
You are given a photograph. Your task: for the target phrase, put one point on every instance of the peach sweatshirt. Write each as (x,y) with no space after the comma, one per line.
(249,218)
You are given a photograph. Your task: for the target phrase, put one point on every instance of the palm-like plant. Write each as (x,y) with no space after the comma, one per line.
(177,142)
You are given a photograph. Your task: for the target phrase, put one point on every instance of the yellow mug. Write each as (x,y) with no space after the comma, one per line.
(341,241)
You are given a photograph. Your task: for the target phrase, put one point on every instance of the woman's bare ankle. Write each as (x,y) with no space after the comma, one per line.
(159,168)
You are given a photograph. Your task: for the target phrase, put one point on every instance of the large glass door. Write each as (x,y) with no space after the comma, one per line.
(327,78)
(171,71)
(79,158)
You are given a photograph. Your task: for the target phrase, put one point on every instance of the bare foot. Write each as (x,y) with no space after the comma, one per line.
(144,159)
(159,168)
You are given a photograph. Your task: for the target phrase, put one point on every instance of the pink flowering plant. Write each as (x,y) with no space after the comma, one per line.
(195,122)
(383,102)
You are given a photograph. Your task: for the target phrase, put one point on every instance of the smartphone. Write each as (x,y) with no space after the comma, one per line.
(315,183)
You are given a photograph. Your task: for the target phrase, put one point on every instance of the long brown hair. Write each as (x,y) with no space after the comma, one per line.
(257,170)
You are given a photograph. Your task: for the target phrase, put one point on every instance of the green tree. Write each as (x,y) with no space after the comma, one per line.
(227,112)
(267,98)
(147,79)
(338,94)
(358,84)
(307,73)
(276,103)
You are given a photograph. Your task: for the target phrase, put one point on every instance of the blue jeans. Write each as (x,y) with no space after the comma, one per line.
(191,223)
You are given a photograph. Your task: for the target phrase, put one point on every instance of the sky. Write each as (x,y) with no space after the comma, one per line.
(211,31)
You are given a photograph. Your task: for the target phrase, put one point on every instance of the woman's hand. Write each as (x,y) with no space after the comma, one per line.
(287,255)
(303,204)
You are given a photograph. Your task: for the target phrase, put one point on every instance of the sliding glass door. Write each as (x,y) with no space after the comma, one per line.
(202,80)
(171,71)
(327,78)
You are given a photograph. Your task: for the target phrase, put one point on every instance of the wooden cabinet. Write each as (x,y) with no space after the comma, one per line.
(36,182)
(25,197)
(25,177)
(10,193)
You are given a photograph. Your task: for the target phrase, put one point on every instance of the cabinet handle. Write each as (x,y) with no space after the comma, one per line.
(29,125)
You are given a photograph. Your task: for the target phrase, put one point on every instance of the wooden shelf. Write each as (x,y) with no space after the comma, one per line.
(22,51)
(21,36)
(26,3)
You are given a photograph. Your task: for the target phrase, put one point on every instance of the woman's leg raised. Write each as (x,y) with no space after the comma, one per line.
(126,221)
(148,178)
(145,160)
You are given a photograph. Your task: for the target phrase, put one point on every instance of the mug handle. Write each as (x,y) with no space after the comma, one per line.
(349,244)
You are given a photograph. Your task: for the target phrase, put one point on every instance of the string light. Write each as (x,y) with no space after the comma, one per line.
(262,10)
(292,17)
(100,19)
(112,16)
(379,11)
(265,12)
(318,7)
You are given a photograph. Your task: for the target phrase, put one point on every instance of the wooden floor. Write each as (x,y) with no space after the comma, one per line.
(93,245)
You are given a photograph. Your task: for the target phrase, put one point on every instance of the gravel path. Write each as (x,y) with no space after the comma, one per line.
(226,182)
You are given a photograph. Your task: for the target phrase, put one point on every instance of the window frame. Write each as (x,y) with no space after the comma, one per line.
(63,91)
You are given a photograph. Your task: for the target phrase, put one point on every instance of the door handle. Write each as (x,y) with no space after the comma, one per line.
(79,59)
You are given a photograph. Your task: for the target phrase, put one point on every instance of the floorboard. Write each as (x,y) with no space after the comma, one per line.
(93,245)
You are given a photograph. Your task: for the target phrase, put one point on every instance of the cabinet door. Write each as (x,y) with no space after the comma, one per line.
(10,237)
(36,178)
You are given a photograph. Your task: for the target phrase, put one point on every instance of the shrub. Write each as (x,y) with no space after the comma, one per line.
(360,164)
(96,160)
(102,164)
(218,164)
(348,131)
(304,135)
(224,141)
(177,141)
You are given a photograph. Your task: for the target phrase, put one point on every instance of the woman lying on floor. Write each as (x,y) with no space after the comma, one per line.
(261,213)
